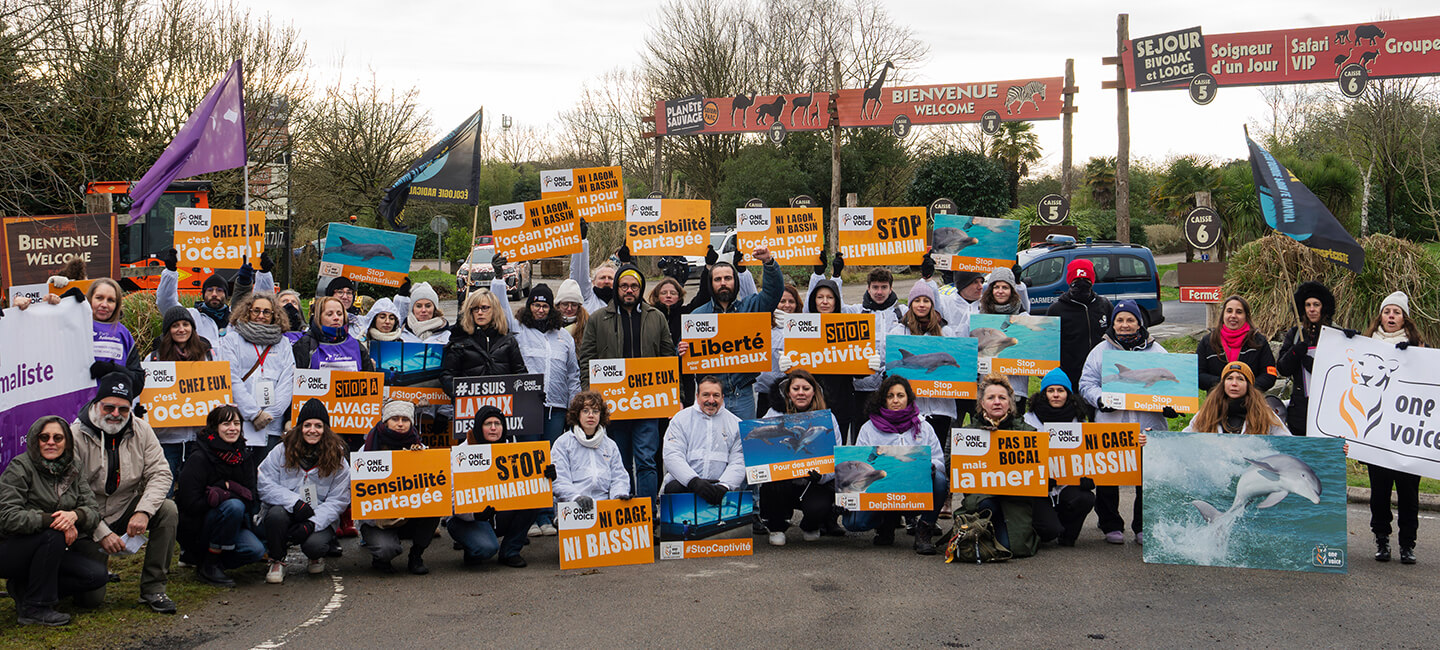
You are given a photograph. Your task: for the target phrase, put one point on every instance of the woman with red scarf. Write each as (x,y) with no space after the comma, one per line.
(1234,339)
(895,420)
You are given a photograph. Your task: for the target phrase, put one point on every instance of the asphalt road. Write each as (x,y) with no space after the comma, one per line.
(833,592)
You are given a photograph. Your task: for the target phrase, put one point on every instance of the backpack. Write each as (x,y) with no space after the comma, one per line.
(972,539)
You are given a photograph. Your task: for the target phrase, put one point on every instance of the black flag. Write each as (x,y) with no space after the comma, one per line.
(1292,209)
(449,172)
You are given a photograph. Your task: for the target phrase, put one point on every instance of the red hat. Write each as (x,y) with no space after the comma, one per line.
(1080,268)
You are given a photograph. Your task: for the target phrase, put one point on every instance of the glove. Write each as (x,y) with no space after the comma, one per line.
(874,362)
(215,495)
(246,275)
(779,315)
(713,493)
(550,472)
(927,266)
(171,258)
(586,503)
(711,257)
(262,420)
(813,476)
(267,265)
(786,364)
(139,410)
(623,254)
(302,510)
(1402,345)
(824,260)
(1349,334)
(404,288)
(300,531)
(1087,483)
(1169,413)
(241,492)
(1100,406)
(497,264)
(99,369)
(838,265)
(736,257)
(60,281)
(584,229)
(487,513)
(294,313)
(624,497)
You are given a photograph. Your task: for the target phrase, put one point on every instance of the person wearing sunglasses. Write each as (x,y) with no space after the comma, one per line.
(121,460)
(45,507)
(481,344)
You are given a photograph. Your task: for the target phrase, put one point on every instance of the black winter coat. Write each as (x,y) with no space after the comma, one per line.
(1255,352)
(1082,325)
(201,471)
(481,354)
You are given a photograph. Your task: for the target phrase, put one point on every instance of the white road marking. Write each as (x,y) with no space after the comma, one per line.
(337,599)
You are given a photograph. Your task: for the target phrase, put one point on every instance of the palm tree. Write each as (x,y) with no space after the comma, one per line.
(1016,146)
(1100,178)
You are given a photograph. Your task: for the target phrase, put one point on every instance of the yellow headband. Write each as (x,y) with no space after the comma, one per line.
(638,278)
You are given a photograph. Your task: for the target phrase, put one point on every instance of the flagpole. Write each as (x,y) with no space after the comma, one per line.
(246,207)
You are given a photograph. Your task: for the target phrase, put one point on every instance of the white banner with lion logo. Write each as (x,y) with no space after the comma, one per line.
(1382,400)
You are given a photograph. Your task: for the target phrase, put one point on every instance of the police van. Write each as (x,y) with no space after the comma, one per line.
(1122,272)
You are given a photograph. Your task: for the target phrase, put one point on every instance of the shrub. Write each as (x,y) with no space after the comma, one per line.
(1266,272)
(442,282)
(1091,222)
(1165,238)
(140,315)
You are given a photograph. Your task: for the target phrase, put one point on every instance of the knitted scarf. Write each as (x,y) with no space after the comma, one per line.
(1233,340)
(259,333)
(901,421)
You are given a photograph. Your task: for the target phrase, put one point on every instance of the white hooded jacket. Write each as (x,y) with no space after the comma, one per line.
(707,446)
(581,471)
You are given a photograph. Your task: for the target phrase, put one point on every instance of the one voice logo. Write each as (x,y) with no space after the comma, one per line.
(642,210)
(557,181)
(703,326)
(803,326)
(507,216)
(607,371)
(572,518)
(857,218)
(752,219)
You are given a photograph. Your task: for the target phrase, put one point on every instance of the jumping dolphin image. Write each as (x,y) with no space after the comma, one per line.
(927,362)
(1270,479)
(1147,376)
(365,251)
(991,341)
(855,476)
(949,241)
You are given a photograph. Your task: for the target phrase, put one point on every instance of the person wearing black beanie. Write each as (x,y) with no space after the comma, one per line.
(483,534)
(343,289)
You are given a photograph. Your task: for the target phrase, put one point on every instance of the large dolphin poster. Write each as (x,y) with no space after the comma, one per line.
(788,446)
(936,366)
(1248,501)
(1016,344)
(1149,381)
(367,254)
(979,244)
(883,478)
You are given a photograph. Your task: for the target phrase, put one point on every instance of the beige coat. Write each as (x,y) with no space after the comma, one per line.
(144,474)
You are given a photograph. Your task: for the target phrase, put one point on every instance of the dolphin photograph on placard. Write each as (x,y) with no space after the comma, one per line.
(882,469)
(936,366)
(405,363)
(958,242)
(1246,501)
(1017,344)
(779,443)
(1149,381)
(687,517)
(369,248)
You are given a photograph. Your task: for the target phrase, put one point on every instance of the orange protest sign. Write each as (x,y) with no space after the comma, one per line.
(830,344)
(182,393)
(613,533)
(535,229)
(1106,453)
(882,236)
(638,389)
(351,398)
(726,342)
(506,476)
(793,235)
(667,226)
(1002,463)
(218,238)
(399,484)
(598,192)
(83,286)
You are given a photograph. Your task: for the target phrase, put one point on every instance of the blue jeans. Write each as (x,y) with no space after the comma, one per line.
(481,540)
(227,528)
(175,458)
(639,440)
(741,401)
(857,522)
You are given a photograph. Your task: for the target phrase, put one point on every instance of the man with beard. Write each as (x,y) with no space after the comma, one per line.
(739,396)
(1083,314)
(702,446)
(122,460)
(211,313)
(629,328)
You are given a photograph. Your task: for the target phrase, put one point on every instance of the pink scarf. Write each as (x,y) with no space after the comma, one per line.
(1233,340)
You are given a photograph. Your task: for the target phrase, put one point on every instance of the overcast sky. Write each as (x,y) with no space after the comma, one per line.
(528,59)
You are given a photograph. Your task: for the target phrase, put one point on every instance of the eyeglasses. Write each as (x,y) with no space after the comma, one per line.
(47,437)
(111,408)
(590,411)
(480,308)
(261,312)
(346,292)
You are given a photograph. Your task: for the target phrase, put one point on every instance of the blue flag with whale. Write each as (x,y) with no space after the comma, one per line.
(1294,210)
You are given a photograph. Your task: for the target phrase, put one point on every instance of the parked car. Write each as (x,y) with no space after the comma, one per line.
(1122,271)
(477,271)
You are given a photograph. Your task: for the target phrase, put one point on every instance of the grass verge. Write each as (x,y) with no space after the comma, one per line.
(1167,293)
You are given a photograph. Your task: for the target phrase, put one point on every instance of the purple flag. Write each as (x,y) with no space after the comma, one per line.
(212,139)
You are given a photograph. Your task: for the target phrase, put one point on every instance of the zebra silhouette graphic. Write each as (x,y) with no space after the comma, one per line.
(1360,403)
(1018,95)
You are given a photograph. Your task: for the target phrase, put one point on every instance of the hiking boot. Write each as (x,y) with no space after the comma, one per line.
(211,572)
(158,603)
(514,561)
(383,566)
(417,565)
(335,550)
(42,616)
(315,566)
(924,533)
(1407,555)
(275,574)
(1115,537)
(885,536)
(1382,549)
(832,529)
(777,539)
(758,528)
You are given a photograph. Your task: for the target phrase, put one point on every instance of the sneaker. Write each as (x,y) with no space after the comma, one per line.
(549,530)
(1140,538)
(810,535)
(535,530)
(276,573)
(335,550)
(43,616)
(315,566)
(159,603)
(1115,537)
(777,539)
(758,528)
